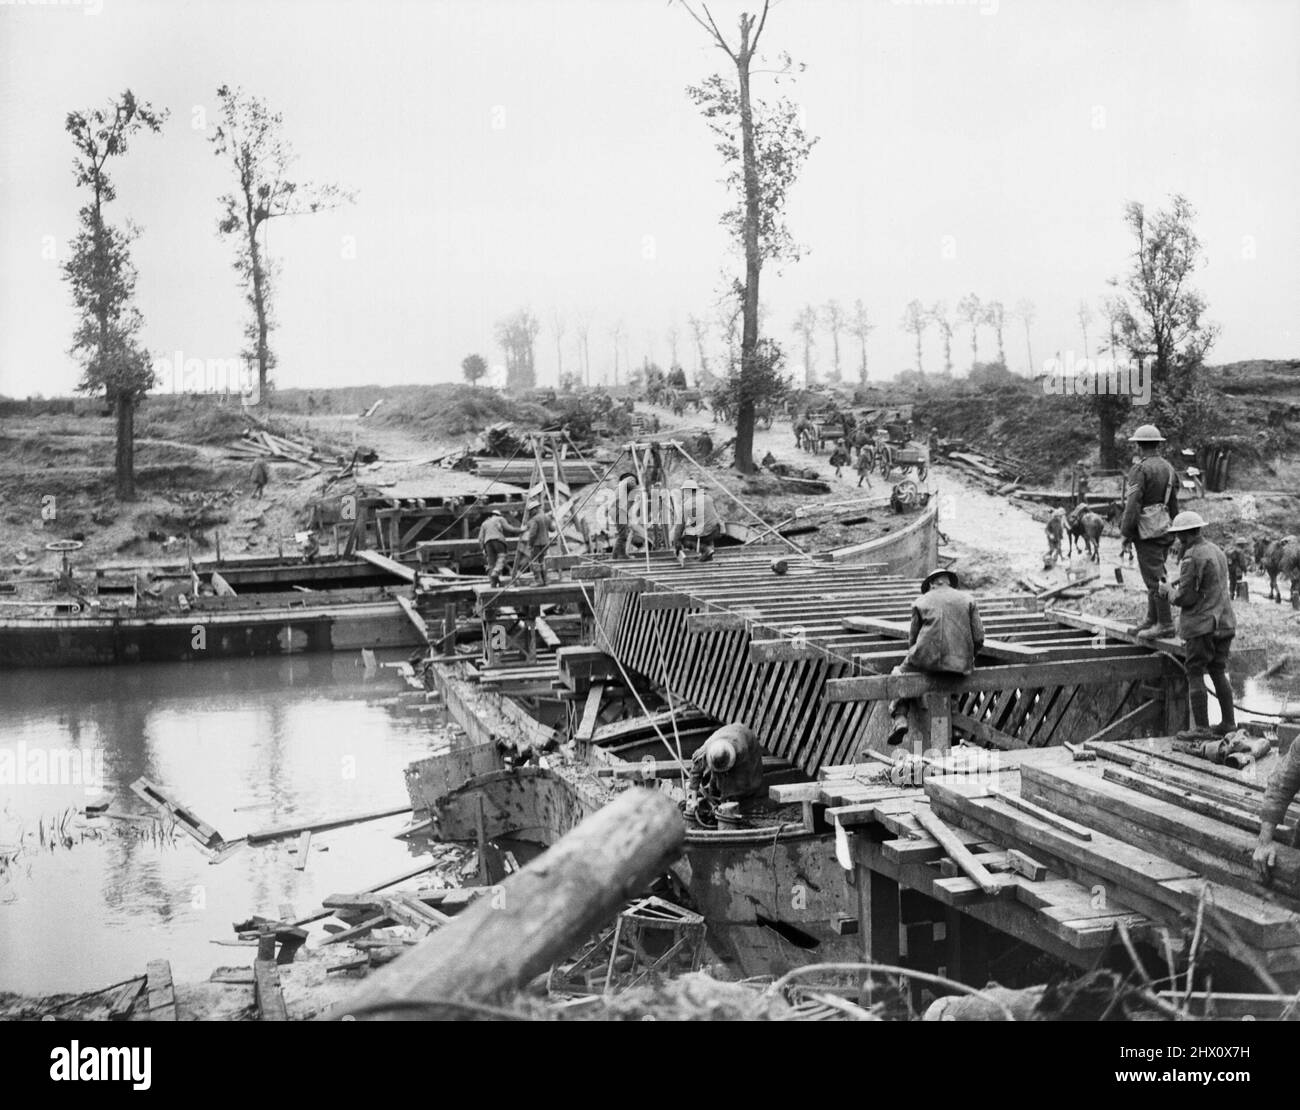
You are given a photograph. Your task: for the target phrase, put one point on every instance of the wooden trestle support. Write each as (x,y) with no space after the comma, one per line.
(740,643)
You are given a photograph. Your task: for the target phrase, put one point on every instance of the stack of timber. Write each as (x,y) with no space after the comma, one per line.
(1163,835)
(804,659)
(259,444)
(999,473)
(576,473)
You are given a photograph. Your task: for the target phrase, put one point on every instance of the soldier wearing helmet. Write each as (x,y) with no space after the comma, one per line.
(697,517)
(727,767)
(1151,499)
(1206,621)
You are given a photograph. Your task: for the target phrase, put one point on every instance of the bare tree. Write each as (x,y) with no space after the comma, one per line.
(995,317)
(616,335)
(558,325)
(805,326)
(861,327)
(939,317)
(582,326)
(916,320)
(673,336)
(250,135)
(1084,316)
(835,325)
(700,334)
(1027,314)
(971,312)
(764,150)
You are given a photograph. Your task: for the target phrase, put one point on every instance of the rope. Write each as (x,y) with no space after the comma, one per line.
(709,477)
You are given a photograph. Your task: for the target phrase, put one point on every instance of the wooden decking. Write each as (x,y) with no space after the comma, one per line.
(1143,841)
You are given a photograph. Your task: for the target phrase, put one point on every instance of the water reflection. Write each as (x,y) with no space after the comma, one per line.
(246,745)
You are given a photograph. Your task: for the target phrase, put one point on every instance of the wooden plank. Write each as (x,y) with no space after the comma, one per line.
(1084,672)
(304,846)
(266,990)
(998,649)
(391,566)
(189,822)
(1145,715)
(1025,865)
(1073,828)
(122,998)
(280,832)
(590,712)
(959,853)
(418,621)
(162,993)
(1187,799)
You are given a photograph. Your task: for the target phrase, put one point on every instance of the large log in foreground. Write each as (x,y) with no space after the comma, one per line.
(539,914)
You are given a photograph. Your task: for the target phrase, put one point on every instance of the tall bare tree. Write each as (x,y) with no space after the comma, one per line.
(1026,313)
(763,147)
(700,334)
(835,325)
(805,327)
(941,320)
(102,276)
(251,136)
(674,335)
(915,321)
(582,325)
(861,327)
(558,325)
(616,335)
(996,317)
(971,312)
(1084,315)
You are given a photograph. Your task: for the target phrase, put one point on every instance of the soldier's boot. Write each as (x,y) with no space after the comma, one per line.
(1199,696)
(1150,621)
(1227,710)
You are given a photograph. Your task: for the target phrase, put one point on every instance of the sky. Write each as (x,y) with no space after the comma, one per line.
(544,154)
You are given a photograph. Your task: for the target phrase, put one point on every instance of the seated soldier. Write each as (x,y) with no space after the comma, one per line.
(727,767)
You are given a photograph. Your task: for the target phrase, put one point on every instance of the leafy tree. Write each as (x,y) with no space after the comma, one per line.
(861,327)
(1163,317)
(102,276)
(939,317)
(250,135)
(763,146)
(473,367)
(517,334)
(915,321)
(971,312)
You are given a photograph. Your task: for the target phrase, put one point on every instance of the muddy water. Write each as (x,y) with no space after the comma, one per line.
(246,745)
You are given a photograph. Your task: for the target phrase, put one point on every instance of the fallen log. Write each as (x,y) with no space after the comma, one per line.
(539,914)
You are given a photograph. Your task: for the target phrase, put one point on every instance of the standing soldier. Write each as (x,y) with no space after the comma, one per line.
(1206,623)
(1151,500)
(492,537)
(839,459)
(1238,564)
(259,477)
(1083,479)
(864,467)
(1055,534)
(537,539)
(624,495)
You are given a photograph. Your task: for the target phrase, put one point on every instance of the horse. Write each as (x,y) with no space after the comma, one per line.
(1086,528)
(1280,557)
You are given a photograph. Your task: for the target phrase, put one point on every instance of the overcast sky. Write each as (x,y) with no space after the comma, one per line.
(543,153)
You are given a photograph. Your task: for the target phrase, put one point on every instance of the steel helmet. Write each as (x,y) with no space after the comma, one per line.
(935,575)
(1186,521)
(1147,433)
(690,483)
(721,755)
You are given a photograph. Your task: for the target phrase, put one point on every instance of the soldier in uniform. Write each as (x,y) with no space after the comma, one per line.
(727,767)
(1206,621)
(1238,565)
(1151,500)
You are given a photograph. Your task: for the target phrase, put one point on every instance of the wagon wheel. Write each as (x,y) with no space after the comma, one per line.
(906,493)
(886,460)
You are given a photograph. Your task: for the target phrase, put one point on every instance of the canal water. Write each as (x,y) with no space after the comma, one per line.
(246,745)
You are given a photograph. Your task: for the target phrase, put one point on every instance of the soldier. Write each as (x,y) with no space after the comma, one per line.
(945,638)
(727,767)
(839,459)
(1055,534)
(625,493)
(1283,784)
(259,476)
(537,540)
(1238,565)
(1083,479)
(697,516)
(1151,500)
(1206,623)
(492,538)
(864,467)
(310,547)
